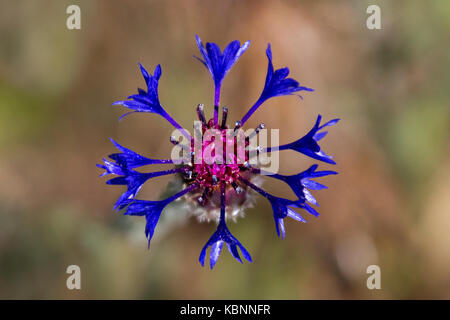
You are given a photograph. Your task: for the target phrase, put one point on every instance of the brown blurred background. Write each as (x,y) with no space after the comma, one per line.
(389,205)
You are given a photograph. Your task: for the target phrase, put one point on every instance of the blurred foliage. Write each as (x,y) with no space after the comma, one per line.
(388,206)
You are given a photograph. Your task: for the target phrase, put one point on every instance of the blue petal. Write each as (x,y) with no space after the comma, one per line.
(216,249)
(280,228)
(309,197)
(220,236)
(300,183)
(145,101)
(280,209)
(277,83)
(134,181)
(131,159)
(295,215)
(308,144)
(310,209)
(313,185)
(234,252)
(151,210)
(110,168)
(219,63)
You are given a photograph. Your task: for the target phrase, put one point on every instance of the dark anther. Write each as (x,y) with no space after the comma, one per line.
(216,111)
(224,116)
(237,126)
(258,128)
(203,197)
(201,114)
(174,141)
(237,188)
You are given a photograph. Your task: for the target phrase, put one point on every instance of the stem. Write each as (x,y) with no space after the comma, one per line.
(176,125)
(163,173)
(181,193)
(222,204)
(216,104)
(251,111)
(256,188)
(161,161)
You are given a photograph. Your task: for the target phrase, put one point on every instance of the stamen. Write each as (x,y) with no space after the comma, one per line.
(201,113)
(202,199)
(237,188)
(224,116)
(174,141)
(246,165)
(258,128)
(216,114)
(237,126)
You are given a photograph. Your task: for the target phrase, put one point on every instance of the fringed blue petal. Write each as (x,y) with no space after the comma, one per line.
(123,166)
(300,183)
(308,144)
(216,249)
(281,207)
(145,101)
(134,181)
(132,159)
(219,63)
(220,236)
(307,207)
(110,168)
(277,84)
(281,210)
(151,210)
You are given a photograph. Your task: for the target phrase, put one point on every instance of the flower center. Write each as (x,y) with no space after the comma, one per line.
(218,156)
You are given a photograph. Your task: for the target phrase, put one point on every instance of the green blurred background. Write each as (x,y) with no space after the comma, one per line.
(389,205)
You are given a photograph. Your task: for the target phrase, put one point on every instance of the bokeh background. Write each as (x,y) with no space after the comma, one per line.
(389,205)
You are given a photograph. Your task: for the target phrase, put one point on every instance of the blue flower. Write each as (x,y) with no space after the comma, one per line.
(308,144)
(277,84)
(206,183)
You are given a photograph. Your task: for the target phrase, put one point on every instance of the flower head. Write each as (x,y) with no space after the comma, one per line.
(218,177)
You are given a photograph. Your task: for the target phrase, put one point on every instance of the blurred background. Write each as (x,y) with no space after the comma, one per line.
(389,205)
